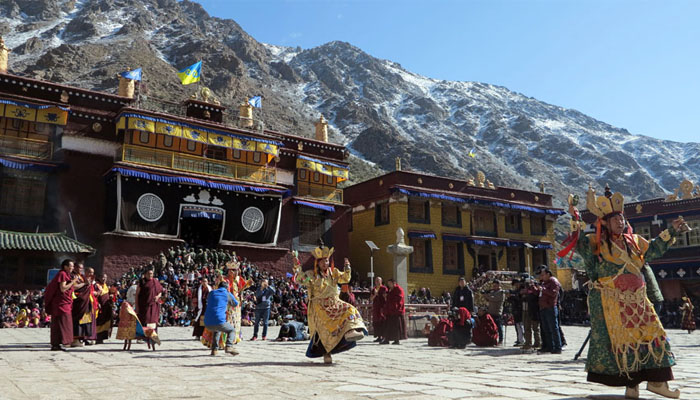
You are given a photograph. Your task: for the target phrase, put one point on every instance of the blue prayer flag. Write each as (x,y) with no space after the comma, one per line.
(255,101)
(134,75)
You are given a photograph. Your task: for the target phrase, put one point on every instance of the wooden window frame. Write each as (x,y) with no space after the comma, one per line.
(459,268)
(381,217)
(426,211)
(427,264)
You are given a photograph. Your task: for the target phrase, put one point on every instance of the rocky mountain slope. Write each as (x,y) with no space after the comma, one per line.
(375,107)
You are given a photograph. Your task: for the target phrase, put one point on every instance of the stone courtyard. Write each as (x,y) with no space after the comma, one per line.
(183,369)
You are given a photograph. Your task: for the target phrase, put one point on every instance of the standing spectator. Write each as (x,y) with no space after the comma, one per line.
(215,317)
(463,296)
(201,306)
(263,298)
(517,311)
(687,312)
(531,313)
(549,313)
(378,299)
(59,302)
(131,293)
(395,328)
(148,295)
(496,297)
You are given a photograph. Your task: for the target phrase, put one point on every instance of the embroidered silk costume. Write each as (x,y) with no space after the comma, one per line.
(329,317)
(628,343)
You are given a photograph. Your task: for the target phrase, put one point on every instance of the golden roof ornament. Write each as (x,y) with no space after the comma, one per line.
(480,178)
(684,191)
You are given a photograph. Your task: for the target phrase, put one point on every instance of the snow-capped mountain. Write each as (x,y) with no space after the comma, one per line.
(375,107)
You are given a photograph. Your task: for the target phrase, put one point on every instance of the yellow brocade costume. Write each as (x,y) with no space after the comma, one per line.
(329,317)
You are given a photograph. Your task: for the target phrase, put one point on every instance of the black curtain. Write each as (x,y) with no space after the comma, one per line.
(235,205)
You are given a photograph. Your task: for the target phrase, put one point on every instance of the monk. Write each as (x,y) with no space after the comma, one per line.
(147,296)
(378,298)
(82,308)
(395,325)
(58,301)
(103,321)
(438,335)
(485,333)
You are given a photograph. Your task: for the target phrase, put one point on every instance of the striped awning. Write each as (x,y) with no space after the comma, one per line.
(52,242)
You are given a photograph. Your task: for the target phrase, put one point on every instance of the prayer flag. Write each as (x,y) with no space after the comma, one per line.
(255,101)
(134,75)
(191,74)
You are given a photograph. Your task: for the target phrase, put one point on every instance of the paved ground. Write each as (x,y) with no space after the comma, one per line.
(183,369)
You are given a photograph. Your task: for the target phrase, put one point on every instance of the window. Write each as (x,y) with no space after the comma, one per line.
(191,145)
(167,141)
(484,223)
(257,156)
(514,223)
(329,180)
(381,214)
(418,211)
(22,193)
(688,239)
(236,154)
(311,225)
(451,215)
(144,137)
(643,230)
(539,257)
(452,257)
(515,259)
(316,177)
(216,153)
(422,257)
(303,174)
(538,225)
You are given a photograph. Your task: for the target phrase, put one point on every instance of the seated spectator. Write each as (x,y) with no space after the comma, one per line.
(485,332)
(462,323)
(438,335)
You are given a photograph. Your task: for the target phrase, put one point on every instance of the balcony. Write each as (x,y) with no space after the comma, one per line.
(196,165)
(28,148)
(318,192)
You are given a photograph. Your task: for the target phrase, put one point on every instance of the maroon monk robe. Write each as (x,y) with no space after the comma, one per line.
(378,317)
(104,317)
(149,309)
(59,305)
(198,329)
(395,325)
(486,332)
(438,336)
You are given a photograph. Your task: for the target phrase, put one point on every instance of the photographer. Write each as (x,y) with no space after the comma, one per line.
(263,298)
(516,305)
(531,313)
(462,322)
(496,297)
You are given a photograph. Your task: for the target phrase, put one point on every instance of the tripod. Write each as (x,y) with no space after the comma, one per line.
(583,346)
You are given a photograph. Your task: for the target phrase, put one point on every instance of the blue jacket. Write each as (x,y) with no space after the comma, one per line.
(263,298)
(217,301)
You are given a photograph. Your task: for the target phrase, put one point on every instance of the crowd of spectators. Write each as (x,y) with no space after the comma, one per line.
(23,309)
(180,269)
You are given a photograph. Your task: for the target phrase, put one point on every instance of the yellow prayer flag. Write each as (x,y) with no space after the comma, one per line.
(19,112)
(168,129)
(141,124)
(52,115)
(219,140)
(193,134)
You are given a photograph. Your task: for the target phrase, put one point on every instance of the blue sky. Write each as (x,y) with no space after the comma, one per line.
(632,64)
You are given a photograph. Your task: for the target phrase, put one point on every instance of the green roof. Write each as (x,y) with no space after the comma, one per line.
(53,242)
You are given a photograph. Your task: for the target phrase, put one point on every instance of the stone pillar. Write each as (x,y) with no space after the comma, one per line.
(322,129)
(4,56)
(245,111)
(401,251)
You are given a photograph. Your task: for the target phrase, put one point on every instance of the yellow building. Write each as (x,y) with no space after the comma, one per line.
(456,227)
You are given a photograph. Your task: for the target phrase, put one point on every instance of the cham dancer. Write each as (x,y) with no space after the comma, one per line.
(628,343)
(334,325)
